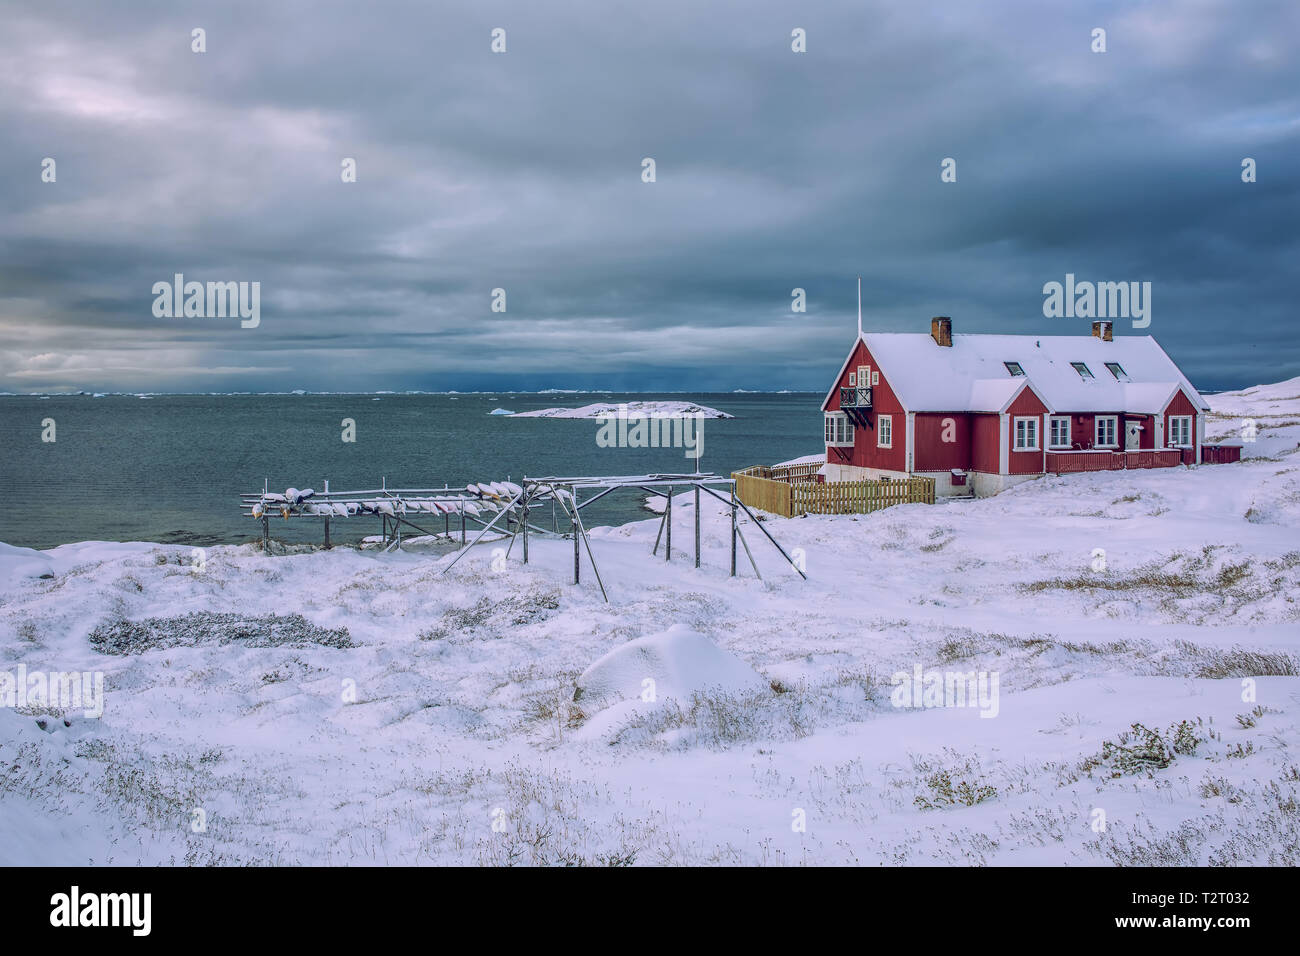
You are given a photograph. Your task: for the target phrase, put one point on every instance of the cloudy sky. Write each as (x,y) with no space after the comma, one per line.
(523,171)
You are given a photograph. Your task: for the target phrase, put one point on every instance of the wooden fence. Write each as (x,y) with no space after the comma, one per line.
(797,497)
(805,472)
(1220,454)
(860,497)
(1068,462)
(763,493)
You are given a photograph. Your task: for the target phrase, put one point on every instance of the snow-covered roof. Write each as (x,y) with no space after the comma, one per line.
(971,374)
(989,394)
(803,460)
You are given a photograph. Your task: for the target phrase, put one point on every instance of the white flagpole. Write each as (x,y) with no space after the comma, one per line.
(859,306)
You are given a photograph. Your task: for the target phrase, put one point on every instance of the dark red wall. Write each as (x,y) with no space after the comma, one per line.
(1180,405)
(1083,430)
(1025,462)
(883,402)
(984,443)
(932,452)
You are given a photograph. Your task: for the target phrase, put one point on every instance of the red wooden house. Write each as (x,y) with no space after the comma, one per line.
(981,412)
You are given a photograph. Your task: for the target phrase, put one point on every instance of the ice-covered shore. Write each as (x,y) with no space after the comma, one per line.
(665,409)
(353,707)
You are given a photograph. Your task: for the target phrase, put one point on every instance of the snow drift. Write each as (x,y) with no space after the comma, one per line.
(676,663)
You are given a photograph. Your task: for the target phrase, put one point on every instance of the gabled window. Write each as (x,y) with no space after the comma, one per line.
(1118,371)
(1014,368)
(1082,369)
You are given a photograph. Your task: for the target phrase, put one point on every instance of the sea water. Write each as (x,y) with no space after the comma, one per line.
(170,468)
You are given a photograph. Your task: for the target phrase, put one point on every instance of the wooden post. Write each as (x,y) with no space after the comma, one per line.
(668,521)
(697,526)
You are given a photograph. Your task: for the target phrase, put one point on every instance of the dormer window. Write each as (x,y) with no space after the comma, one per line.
(1082,369)
(1118,371)
(1014,368)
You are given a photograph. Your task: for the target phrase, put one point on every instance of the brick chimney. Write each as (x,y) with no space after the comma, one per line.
(941,330)
(1101,330)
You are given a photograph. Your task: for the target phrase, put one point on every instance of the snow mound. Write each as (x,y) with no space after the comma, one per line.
(630,409)
(681,662)
(18,563)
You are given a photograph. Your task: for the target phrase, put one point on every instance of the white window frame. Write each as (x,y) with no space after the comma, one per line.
(1114,431)
(1175,428)
(884,423)
(853,379)
(1052,422)
(875,377)
(1031,431)
(837,430)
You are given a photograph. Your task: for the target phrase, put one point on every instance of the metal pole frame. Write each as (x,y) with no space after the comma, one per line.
(486,529)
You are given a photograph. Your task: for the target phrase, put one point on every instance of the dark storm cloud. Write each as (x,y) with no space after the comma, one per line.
(522,171)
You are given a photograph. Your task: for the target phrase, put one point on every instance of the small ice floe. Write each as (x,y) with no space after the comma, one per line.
(666,409)
(501,411)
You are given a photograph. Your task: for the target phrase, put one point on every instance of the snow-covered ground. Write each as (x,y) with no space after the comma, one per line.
(413,717)
(665,409)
